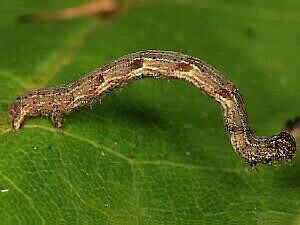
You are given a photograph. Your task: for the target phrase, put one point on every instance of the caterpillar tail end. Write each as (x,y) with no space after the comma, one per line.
(286,146)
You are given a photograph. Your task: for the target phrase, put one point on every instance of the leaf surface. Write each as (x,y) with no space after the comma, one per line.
(156,151)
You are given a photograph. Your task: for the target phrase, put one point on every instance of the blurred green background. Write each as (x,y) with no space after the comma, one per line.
(155,152)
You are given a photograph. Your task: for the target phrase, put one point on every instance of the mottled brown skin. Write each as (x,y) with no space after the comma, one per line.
(58,101)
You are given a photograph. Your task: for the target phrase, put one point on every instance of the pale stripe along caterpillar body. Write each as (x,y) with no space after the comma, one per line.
(57,101)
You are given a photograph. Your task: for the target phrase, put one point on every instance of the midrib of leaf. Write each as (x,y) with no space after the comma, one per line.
(132,161)
(156,163)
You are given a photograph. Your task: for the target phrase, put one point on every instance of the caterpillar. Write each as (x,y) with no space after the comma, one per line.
(57,101)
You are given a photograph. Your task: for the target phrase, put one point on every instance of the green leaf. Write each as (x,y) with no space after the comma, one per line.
(155,152)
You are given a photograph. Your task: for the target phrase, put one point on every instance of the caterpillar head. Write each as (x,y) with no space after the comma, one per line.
(17,113)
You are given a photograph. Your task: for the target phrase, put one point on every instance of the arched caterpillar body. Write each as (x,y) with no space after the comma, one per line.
(57,101)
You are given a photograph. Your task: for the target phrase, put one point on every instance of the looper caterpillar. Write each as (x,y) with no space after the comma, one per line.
(57,101)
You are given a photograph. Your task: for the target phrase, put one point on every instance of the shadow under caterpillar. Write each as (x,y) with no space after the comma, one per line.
(57,101)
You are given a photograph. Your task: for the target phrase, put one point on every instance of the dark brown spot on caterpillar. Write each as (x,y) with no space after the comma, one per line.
(57,101)
(184,67)
(225,93)
(136,64)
